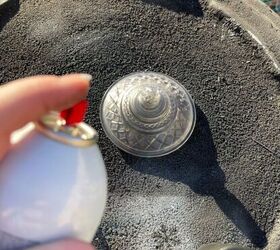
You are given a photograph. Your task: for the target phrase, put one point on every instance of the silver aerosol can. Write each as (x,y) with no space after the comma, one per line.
(53,184)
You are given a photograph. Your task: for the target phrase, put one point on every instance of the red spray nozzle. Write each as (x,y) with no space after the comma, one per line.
(75,114)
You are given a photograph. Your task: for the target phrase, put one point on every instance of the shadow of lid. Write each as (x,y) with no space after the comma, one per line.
(191,7)
(196,165)
(8,9)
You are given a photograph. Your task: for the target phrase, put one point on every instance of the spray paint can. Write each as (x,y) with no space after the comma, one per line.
(53,184)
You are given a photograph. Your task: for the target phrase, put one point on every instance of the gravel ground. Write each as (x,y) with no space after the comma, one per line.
(223,185)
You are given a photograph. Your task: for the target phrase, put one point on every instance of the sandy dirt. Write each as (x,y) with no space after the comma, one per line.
(223,185)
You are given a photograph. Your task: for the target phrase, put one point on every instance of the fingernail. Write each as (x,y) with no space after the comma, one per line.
(87,77)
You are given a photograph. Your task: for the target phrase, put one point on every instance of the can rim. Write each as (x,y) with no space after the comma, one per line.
(77,135)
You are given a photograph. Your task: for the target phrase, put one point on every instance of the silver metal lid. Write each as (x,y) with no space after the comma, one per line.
(148,114)
(78,135)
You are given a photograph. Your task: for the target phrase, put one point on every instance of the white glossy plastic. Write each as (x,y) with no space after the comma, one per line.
(49,190)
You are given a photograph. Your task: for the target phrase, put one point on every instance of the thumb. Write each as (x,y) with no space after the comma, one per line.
(65,245)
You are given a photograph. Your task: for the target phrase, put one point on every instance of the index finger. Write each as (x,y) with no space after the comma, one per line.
(28,99)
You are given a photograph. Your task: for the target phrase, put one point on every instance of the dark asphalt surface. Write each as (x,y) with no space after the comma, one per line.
(223,185)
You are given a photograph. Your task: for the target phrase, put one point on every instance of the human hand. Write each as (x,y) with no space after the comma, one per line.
(26,100)
(65,245)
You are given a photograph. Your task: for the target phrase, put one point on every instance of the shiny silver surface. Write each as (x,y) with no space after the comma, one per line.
(78,135)
(148,114)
